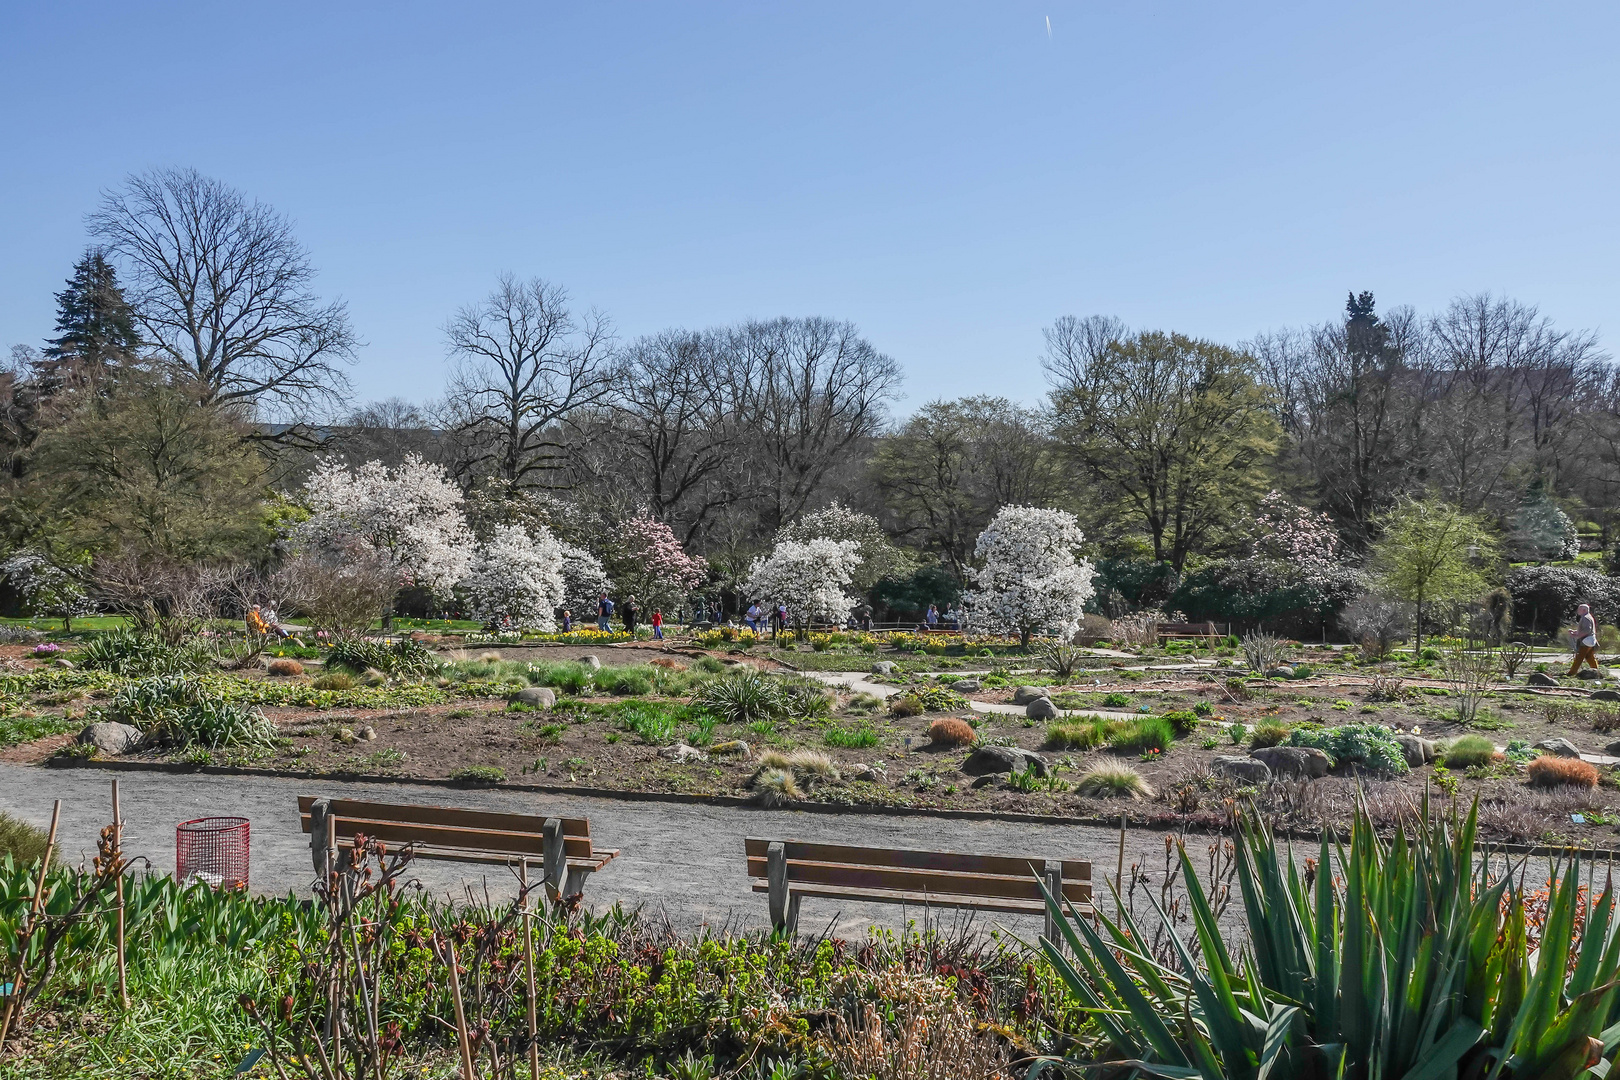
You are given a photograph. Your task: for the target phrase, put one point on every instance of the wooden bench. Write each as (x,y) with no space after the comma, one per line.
(790,870)
(562,846)
(1186,630)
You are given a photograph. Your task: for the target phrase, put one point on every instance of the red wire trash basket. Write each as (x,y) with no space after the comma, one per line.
(213,850)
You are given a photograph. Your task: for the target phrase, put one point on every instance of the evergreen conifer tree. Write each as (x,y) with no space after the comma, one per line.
(96,328)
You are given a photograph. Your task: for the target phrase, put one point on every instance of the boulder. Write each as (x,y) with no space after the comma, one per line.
(1023,695)
(1591,674)
(1042,709)
(864,771)
(1280,672)
(732,748)
(1541,678)
(967,686)
(536,697)
(592,661)
(1558,748)
(1241,768)
(1417,751)
(681,754)
(63,662)
(366,733)
(111,737)
(884,667)
(1003,759)
(1613,749)
(1606,695)
(1294,762)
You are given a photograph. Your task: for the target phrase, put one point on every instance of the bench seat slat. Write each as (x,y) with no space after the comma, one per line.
(933,900)
(908,858)
(597,860)
(449,816)
(1025,886)
(512,843)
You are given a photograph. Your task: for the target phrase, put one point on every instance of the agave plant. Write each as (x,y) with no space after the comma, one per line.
(1415,965)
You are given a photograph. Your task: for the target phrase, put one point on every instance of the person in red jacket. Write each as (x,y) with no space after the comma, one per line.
(658,624)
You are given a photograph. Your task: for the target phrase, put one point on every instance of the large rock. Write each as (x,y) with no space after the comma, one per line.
(111,737)
(1003,759)
(1606,695)
(1592,674)
(681,754)
(1242,768)
(1541,678)
(967,686)
(592,661)
(1295,762)
(884,667)
(1417,751)
(536,697)
(1042,709)
(730,748)
(1023,695)
(1558,748)
(1280,672)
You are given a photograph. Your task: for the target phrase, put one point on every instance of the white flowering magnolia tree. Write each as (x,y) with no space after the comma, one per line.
(584,580)
(516,579)
(1030,580)
(411,514)
(46,588)
(810,577)
(879,557)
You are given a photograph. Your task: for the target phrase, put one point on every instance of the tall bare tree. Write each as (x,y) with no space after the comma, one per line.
(222,291)
(525,365)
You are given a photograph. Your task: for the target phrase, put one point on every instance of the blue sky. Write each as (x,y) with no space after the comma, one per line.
(950,177)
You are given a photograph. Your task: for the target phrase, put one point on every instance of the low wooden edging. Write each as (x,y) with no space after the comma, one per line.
(679,798)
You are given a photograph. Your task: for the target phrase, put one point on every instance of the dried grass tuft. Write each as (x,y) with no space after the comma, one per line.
(1562,772)
(952,731)
(285,665)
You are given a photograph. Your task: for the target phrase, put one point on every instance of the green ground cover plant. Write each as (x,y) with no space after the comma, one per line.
(1366,745)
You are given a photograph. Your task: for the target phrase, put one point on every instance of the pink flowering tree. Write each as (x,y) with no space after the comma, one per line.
(647,562)
(1289,533)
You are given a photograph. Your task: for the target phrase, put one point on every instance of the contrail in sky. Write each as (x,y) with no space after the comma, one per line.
(1049,26)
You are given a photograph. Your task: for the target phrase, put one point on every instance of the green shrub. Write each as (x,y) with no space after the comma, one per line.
(711,664)
(623,681)
(1142,736)
(1076,734)
(1469,751)
(21,842)
(803,698)
(128,653)
(654,724)
(1203,708)
(1112,781)
(480,774)
(1116,701)
(934,698)
(1367,745)
(1184,721)
(741,696)
(404,657)
(180,710)
(1268,733)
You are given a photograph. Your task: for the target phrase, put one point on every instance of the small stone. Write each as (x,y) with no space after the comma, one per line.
(1042,709)
(1301,762)
(536,697)
(366,733)
(1241,768)
(1558,748)
(112,738)
(592,661)
(1023,695)
(884,667)
(681,754)
(1541,678)
(983,781)
(1606,695)
(733,748)
(1416,751)
(967,686)
(345,736)
(63,662)
(1000,759)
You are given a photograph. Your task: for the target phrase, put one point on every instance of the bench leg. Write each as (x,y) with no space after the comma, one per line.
(575,883)
(553,854)
(776,879)
(1053,875)
(793,913)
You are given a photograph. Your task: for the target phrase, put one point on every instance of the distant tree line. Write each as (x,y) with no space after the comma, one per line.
(197,379)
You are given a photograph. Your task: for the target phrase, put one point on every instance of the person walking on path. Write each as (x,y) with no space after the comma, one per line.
(932,618)
(631,613)
(568,620)
(604,612)
(658,624)
(752,618)
(1585,635)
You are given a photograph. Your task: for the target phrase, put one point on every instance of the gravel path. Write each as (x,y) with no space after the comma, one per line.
(686,858)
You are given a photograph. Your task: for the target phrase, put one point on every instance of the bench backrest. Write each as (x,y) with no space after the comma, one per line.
(907,870)
(1187,628)
(449,827)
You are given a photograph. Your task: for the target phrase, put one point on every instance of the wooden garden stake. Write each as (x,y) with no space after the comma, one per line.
(118,866)
(1119,871)
(528,971)
(461,1016)
(19,979)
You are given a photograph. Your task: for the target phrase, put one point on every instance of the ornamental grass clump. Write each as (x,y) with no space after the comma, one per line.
(1408,957)
(1077,734)
(1562,772)
(1112,780)
(1267,733)
(1143,736)
(1469,752)
(740,697)
(952,731)
(21,842)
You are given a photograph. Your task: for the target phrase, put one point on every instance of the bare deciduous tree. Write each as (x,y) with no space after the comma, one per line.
(221,288)
(525,366)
